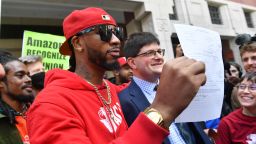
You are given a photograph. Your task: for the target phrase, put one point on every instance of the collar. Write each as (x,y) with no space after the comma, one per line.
(146,86)
(4,106)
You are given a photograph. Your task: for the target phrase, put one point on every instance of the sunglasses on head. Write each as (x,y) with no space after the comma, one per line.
(105,32)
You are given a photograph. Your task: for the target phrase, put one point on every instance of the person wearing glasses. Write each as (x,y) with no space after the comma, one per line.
(248,57)
(79,106)
(240,125)
(145,58)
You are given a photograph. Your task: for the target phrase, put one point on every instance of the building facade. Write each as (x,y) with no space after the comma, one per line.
(228,17)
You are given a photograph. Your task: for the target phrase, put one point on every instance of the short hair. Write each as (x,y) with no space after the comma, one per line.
(6,57)
(136,41)
(250,76)
(248,47)
(30,59)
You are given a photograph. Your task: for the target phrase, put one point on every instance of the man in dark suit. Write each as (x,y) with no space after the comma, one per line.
(145,58)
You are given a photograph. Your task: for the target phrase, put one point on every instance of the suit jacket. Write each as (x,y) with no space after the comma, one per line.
(133,101)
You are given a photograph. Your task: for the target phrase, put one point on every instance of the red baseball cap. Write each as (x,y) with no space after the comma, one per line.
(79,20)
(122,61)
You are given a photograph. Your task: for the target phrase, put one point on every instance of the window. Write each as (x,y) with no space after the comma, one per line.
(248,19)
(174,16)
(215,14)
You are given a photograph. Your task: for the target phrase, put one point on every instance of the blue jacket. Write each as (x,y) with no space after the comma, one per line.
(133,101)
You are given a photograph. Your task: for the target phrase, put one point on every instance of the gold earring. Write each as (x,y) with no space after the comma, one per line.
(79,49)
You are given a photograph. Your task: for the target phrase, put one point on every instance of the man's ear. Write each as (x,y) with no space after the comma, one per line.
(76,44)
(115,72)
(131,62)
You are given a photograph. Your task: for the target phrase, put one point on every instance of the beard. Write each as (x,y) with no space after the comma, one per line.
(21,98)
(124,79)
(100,59)
(109,66)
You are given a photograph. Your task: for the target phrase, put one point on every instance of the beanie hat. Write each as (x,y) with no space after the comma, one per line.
(79,20)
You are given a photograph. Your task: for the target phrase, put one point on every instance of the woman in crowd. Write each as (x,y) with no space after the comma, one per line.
(240,125)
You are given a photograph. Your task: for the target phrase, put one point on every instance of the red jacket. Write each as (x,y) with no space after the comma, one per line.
(69,111)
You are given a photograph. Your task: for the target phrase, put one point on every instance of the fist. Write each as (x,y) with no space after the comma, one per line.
(180,80)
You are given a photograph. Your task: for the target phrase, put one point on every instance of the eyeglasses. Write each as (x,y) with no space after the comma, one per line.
(105,32)
(251,87)
(152,53)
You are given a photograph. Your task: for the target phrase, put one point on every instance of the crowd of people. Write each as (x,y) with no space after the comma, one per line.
(136,106)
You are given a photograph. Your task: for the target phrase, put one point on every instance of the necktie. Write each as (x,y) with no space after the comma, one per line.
(155,88)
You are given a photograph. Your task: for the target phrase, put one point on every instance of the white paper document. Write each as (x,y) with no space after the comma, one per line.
(204,45)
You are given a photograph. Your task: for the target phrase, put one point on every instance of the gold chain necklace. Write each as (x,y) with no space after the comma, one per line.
(106,102)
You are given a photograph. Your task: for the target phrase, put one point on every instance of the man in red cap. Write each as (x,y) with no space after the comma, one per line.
(123,74)
(79,106)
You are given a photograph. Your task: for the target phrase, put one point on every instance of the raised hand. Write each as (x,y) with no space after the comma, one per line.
(180,80)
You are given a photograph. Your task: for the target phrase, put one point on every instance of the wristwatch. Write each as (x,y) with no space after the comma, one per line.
(155,116)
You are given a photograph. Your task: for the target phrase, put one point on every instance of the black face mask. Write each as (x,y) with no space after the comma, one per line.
(38,80)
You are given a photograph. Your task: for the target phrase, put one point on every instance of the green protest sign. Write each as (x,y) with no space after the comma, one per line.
(47,46)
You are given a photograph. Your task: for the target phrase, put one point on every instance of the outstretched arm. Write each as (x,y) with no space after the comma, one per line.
(53,123)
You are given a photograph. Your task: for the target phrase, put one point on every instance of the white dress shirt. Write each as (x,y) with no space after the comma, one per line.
(148,90)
